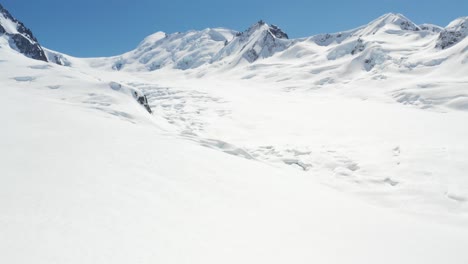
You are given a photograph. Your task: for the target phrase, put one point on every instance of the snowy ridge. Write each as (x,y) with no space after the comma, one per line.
(431,27)
(223,49)
(193,49)
(388,22)
(179,50)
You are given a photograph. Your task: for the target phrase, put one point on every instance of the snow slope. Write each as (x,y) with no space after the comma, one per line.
(390,51)
(339,148)
(90,176)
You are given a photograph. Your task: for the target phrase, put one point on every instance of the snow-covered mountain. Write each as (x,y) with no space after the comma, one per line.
(179,50)
(218,146)
(258,42)
(193,49)
(227,49)
(14,34)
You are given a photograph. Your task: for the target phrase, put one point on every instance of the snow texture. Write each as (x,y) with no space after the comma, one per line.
(220,147)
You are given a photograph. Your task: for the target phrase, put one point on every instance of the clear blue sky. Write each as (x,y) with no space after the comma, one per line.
(89,28)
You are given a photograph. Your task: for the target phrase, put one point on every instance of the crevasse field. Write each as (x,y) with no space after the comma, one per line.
(342,148)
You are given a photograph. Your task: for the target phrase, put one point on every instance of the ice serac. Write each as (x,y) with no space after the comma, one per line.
(259,41)
(19,36)
(455,32)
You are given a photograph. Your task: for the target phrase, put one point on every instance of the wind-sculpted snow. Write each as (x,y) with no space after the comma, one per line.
(179,50)
(388,22)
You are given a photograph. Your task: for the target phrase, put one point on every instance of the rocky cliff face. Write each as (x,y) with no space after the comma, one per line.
(453,33)
(19,36)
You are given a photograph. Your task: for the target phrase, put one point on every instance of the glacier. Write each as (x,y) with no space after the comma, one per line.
(219,146)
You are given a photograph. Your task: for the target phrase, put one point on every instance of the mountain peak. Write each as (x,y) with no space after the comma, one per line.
(392,16)
(460,23)
(21,37)
(390,20)
(259,41)
(274,30)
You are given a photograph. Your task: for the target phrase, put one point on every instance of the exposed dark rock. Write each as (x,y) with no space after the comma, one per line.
(141,98)
(408,25)
(360,46)
(251,55)
(327,39)
(24,41)
(453,34)
(277,32)
(61,60)
(32,50)
(58,60)
(448,38)
(258,41)
(369,64)
(6,13)
(429,27)
(118,66)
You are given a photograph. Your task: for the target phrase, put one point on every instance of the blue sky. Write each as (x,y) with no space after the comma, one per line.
(89,28)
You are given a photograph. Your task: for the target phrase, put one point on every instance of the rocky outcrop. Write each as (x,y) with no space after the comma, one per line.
(141,98)
(20,37)
(138,95)
(431,28)
(453,33)
(360,46)
(258,41)
(277,32)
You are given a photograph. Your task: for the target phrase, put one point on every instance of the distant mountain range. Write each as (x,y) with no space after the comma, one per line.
(221,47)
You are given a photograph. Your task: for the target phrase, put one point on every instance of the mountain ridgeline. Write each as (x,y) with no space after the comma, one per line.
(225,48)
